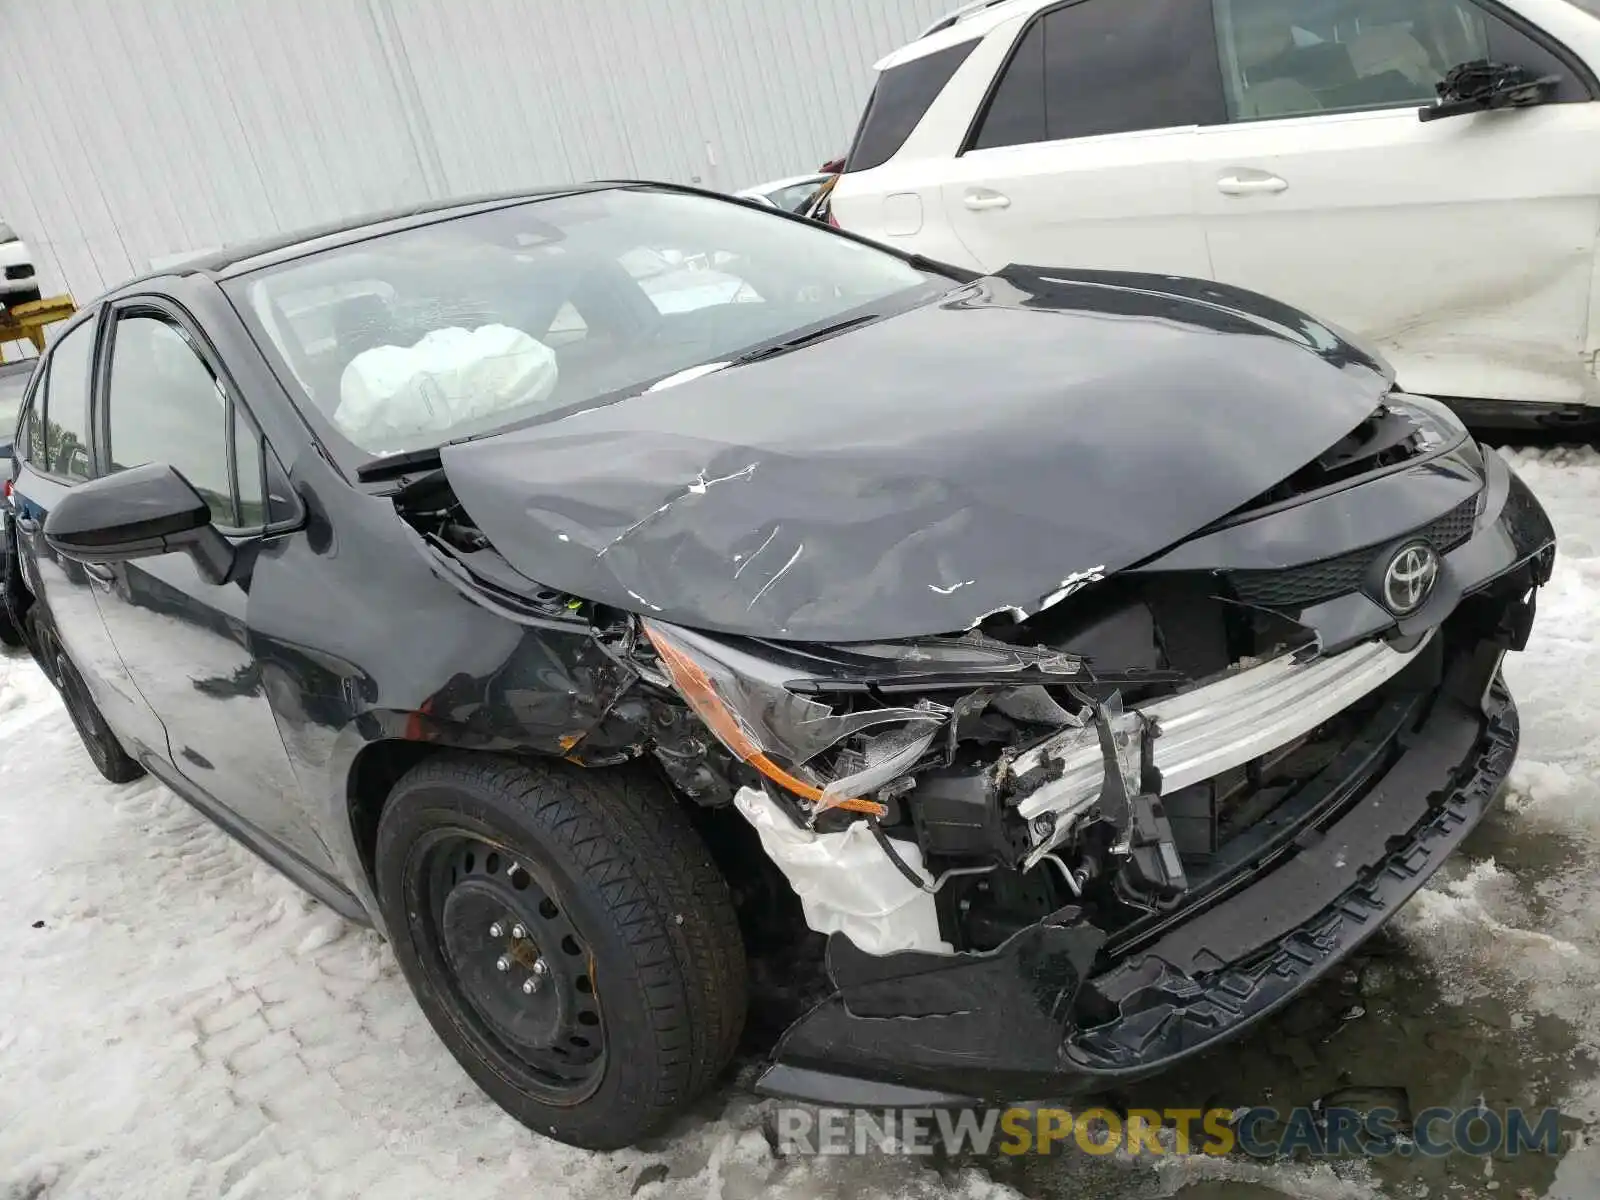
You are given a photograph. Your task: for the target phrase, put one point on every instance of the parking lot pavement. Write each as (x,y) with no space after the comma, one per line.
(176,1020)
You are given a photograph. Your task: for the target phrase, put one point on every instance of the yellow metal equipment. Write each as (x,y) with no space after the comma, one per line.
(27,321)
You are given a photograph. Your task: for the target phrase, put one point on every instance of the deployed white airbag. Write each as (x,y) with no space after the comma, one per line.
(846,883)
(452,377)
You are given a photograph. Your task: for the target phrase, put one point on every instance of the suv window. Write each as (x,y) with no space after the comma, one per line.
(164,405)
(59,435)
(1106,66)
(898,102)
(1016,109)
(1287,58)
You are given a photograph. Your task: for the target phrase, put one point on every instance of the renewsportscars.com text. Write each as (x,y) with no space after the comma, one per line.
(1259,1131)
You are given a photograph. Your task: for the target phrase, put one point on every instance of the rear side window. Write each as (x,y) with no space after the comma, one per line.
(64,400)
(899,101)
(1107,66)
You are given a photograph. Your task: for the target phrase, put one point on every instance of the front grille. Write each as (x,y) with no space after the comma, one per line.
(1294,587)
(1312,583)
(19,272)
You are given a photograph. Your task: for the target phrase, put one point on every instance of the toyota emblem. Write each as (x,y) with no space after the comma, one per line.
(1409,578)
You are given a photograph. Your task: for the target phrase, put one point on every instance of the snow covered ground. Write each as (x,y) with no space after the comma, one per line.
(176,1020)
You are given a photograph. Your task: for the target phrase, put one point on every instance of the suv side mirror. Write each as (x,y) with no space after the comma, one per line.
(138,513)
(1480,86)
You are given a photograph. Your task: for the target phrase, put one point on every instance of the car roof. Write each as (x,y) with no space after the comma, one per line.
(230,261)
(964,25)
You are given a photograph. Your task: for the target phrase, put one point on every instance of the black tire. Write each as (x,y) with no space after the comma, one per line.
(109,758)
(10,635)
(605,855)
(11,632)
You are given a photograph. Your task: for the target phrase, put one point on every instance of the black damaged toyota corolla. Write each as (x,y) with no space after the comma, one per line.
(642,606)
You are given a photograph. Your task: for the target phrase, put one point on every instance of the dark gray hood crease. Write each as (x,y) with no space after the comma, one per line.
(1019,438)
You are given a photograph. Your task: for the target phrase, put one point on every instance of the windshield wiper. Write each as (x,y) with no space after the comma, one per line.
(804,339)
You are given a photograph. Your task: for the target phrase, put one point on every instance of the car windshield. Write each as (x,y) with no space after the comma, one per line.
(472,324)
(12,385)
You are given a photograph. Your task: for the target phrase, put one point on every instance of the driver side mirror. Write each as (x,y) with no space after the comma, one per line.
(138,513)
(1480,86)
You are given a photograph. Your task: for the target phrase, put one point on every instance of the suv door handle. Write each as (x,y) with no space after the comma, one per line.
(1250,185)
(979,199)
(97,571)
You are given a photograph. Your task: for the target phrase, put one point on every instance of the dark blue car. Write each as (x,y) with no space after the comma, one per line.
(13,385)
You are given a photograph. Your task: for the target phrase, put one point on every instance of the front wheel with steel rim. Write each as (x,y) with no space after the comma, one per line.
(568,937)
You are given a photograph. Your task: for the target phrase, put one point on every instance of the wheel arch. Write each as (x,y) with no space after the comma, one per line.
(374,771)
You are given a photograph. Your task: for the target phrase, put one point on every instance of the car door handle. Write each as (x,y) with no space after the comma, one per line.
(1251,185)
(100,574)
(981,198)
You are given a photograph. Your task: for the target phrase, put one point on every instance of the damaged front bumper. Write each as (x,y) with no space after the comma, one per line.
(1042,1017)
(1067,1003)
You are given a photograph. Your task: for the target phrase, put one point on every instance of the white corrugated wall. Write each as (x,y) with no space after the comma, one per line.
(132,131)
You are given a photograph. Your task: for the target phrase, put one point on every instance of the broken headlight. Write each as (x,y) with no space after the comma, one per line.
(817,721)
(743,699)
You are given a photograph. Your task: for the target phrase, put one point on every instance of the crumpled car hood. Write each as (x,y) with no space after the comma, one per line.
(994,450)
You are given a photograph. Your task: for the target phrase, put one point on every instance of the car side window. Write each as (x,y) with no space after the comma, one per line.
(1096,67)
(30,443)
(249,463)
(1284,58)
(898,103)
(164,405)
(58,437)
(1015,116)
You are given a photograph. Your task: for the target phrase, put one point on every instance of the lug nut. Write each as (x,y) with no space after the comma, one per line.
(534,982)
(497,930)
(502,963)
(518,932)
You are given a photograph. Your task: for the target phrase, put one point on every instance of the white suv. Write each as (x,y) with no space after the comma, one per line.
(18,283)
(1274,145)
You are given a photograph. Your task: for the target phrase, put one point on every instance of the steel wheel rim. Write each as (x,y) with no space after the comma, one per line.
(517,974)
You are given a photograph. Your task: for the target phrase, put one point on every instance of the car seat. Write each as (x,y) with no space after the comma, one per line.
(1386,43)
